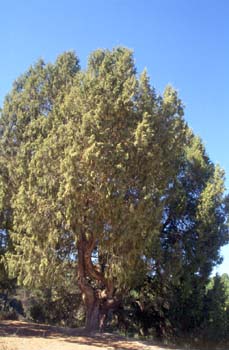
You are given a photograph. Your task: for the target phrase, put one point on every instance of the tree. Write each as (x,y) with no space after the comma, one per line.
(195,227)
(24,123)
(98,156)
(216,324)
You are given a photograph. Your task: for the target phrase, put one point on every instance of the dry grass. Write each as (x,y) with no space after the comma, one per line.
(6,347)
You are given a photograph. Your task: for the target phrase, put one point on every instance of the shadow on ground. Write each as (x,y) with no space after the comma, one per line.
(74,336)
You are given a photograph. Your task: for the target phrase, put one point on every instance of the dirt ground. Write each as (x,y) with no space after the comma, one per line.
(17,335)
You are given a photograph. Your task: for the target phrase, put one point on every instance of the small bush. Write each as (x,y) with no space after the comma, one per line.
(10,309)
(8,315)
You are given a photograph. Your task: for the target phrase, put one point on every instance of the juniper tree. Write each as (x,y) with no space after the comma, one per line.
(195,226)
(24,124)
(92,157)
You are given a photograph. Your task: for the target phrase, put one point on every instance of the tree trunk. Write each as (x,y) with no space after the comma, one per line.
(98,299)
(92,317)
(95,317)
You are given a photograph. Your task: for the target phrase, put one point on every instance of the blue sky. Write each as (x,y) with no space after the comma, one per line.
(184,43)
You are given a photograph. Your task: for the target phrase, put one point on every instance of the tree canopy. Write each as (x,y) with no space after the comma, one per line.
(102,182)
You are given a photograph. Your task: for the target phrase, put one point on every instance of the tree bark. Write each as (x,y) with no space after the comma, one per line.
(97,292)
(93,317)
(96,315)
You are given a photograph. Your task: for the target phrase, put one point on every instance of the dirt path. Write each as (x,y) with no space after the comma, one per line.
(15,335)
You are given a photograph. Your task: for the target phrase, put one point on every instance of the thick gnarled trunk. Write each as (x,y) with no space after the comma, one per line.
(97,292)
(93,317)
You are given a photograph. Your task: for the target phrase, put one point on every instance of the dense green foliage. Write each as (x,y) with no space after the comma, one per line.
(103,187)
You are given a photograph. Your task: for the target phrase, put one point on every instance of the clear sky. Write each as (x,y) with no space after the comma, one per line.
(181,42)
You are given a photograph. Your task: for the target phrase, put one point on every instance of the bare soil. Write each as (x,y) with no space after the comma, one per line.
(18,335)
